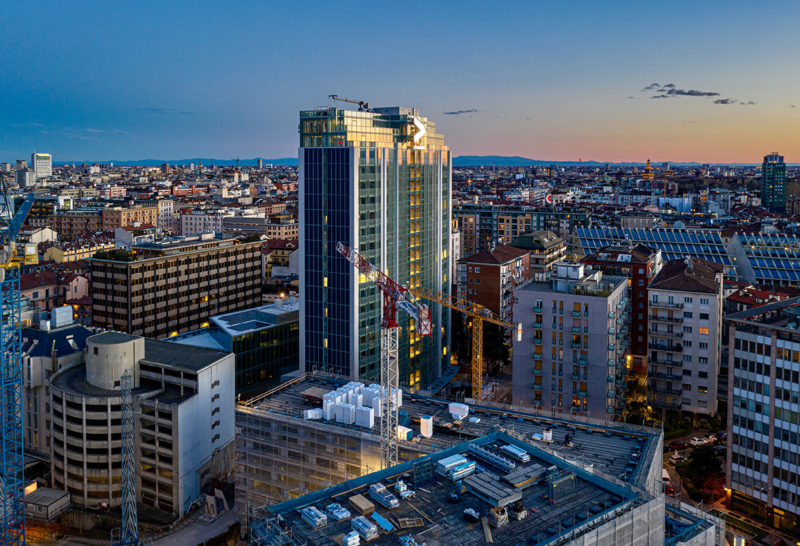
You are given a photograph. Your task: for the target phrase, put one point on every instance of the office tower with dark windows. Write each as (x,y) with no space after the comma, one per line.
(773,182)
(379,181)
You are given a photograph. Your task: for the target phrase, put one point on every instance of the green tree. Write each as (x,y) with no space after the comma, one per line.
(704,467)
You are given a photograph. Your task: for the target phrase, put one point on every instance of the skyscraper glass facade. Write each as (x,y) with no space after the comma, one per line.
(773,183)
(378,181)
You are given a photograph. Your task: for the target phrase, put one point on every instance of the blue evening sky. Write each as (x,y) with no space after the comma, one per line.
(549,80)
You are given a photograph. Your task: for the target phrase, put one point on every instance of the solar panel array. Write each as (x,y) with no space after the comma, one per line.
(773,257)
(673,243)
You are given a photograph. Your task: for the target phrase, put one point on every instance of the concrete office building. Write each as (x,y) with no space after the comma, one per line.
(572,357)
(378,180)
(763,462)
(175,285)
(42,165)
(684,336)
(199,221)
(264,339)
(183,424)
(773,183)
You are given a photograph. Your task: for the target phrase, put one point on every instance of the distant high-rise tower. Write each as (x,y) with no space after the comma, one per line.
(260,164)
(42,165)
(773,183)
(378,180)
(648,172)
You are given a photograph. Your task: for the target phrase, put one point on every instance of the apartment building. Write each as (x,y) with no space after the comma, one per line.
(684,335)
(763,462)
(489,278)
(174,286)
(572,357)
(114,217)
(198,221)
(545,249)
(72,223)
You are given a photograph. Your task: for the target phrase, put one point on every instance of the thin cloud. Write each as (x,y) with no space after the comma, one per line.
(630,96)
(792,106)
(95,131)
(78,136)
(671,91)
(31,124)
(164,111)
(459,112)
(651,87)
(725,101)
(748,103)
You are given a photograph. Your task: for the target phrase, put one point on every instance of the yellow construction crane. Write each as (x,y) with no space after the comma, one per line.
(479,314)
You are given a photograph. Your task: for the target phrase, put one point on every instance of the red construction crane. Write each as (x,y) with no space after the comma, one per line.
(395,296)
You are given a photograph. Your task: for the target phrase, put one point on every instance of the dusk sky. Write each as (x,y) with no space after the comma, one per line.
(101,81)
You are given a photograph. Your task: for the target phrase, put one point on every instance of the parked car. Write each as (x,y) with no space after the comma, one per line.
(677,445)
(677,458)
(698,441)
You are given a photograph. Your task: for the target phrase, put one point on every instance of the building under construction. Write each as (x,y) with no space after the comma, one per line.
(286,448)
(493,489)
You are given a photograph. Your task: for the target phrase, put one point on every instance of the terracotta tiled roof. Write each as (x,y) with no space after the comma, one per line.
(499,255)
(688,275)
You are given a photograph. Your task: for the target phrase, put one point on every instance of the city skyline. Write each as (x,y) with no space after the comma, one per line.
(684,83)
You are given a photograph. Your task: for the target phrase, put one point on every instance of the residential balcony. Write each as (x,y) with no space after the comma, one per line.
(537,372)
(576,314)
(537,341)
(537,309)
(537,325)
(583,362)
(575,376)
(671,320)
(665,305)
(576,330)
(537,387)
(576,345)
(665,347)
(660,333)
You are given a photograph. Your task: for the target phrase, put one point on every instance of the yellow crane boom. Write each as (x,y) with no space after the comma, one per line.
(479,314)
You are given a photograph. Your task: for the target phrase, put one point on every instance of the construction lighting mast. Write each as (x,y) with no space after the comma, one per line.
(479,314)
(12,461)
(395,297)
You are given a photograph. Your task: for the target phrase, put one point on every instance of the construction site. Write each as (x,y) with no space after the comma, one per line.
(281,453)
(493,489)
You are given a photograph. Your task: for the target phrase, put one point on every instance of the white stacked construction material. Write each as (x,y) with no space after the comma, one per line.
(351,539)
(458,411)
(328,411)
(345,413)
(365,417)
(426,426)
(312,414)
(404,433)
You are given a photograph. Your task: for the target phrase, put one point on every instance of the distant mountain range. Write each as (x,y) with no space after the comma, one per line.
(458,161)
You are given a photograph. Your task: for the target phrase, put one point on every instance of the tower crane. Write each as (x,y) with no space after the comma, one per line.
(12,460)
(363,106)
(479,314)
(395,297)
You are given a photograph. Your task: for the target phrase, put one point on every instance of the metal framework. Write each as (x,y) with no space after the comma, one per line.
(13,463)
(479,314)
(395,296)
(12,457)
(130,524)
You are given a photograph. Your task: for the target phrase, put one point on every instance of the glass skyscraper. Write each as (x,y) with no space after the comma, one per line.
(379,181)
(773,182)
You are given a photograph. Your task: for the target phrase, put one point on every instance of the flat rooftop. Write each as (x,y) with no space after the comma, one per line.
(587,500)
(608,449)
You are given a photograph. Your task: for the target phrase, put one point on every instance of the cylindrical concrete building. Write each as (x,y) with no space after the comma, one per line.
(87,420)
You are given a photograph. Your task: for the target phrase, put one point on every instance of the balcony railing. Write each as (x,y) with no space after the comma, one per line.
(666,305)
(673,320)
(665,347)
